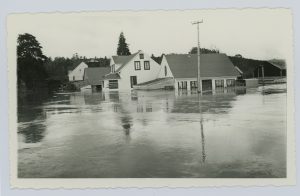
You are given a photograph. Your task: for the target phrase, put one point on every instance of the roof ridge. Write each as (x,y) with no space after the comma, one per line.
(128,60)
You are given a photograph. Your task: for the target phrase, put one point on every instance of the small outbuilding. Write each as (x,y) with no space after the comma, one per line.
(76,74)
(94,77)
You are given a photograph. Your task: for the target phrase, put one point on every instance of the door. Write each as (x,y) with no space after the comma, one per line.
(99,87)
(133,81)
(206,85)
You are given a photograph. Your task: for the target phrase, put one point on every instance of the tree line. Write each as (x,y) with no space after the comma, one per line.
(35,70)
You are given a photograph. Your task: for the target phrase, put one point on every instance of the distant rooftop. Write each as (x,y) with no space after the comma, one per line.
(281,64)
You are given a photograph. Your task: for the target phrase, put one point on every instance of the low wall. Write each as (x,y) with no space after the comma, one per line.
(79,84)
(163,84)
(251,83)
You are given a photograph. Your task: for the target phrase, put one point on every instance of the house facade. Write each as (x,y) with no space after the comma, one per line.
(216,71)
(77,74)
(127,71)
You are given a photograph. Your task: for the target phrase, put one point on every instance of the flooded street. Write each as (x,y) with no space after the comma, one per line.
(144,134)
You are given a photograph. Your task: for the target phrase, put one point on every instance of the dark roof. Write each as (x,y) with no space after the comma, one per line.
(278,63)
(212,65)
(112,76)
(94,75)
(75,63)
(123,60)
(93,63)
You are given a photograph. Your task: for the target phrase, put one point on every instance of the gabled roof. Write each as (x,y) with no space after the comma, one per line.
(95,75)
(212,65)
(238,69)
(123,60)
(75,64)
(278,63)
(112,76)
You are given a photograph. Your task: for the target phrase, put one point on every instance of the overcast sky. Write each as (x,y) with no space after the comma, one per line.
(259,34)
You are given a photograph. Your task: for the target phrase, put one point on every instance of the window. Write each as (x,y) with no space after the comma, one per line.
(137,65)
(73,77)
(182,85)
(230,82)
(193,84)
(219,83)
(146,65)
(113,84)
(141,56)
(166,71)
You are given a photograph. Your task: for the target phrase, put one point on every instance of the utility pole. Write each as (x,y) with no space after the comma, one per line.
(263,74)
(198,54)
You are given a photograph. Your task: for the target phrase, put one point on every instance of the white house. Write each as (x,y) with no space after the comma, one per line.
(216,71)
(77,73)
(127,71)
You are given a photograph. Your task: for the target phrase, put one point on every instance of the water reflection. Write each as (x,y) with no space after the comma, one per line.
(114,96)
(202,141)
(154,134)
(31,117)
(126,123)
(208,103)
(93,98)
(33,133)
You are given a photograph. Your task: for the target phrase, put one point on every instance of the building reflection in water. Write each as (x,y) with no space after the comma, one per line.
(148,107)
(119,107)
(134,96)
(94,98)
(114,96)
(218,103)
(139,109)
(241,91)
(126,124)
(206,103)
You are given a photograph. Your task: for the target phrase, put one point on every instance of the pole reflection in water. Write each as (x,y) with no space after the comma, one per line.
(202,130)
(202,141)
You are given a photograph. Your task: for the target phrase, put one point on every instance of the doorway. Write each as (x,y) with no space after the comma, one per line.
(206,85)
(99,87)
(133,81)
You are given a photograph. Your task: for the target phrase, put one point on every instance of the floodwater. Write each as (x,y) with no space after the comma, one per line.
(160,134)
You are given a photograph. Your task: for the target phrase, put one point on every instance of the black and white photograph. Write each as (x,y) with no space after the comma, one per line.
(186,94)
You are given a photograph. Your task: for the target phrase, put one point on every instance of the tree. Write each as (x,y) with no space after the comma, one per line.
(30,60)
(123,46)
(194,50)
(157,59)
(57,69)
(238,56)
